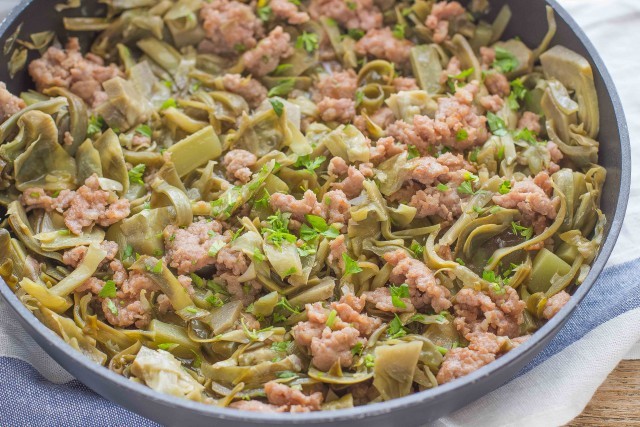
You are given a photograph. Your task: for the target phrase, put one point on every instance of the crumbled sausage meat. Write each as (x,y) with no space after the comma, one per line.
(69,69)
(265,57)
(438,19)
(86,206)
(424,287)
(9,103)
(250,89)
(359,14)
(455,125)
(230,26)
(284,9)
(555,304)
(238,164)
(380,43)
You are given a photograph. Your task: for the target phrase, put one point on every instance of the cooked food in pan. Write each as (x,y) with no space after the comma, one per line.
(291,205)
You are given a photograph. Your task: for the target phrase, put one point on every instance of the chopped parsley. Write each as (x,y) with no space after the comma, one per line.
(318,227)
(108,290)
(215,247)
(462,135)
(197,280)
(64,232)
(466,188)
(359,97)
(169,103)
(308,163)
(505,61)
(262,202)
(127,252)
(307,41)
(281,346)
(257,255)
(397,293)
(496,124)
(112,307)
(356,350)
(282,88)
(264,13)
(505,187)
(96,123)
(157,268)
(460,261)
(214,300)
(352,5)
(442,187)
(458,78)
(331,319)
(521,230)
(136,173)
(412,152)
(396,328)
(278,106)
(518,93)
(526,135)
(399,31)
(278,229)
(355,33)
(350,266)
(417,249)
(144,130)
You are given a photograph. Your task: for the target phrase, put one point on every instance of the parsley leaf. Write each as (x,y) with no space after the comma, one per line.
(369,361)
(518,229)
(505,61)
(352,5)
(526,135)
(417,249)
(215,247)
(309,164)
(264,13)
(466,188)
(319,226)
(412,152)
(144,130)
(397,293)
(462,135)
(214,300)
(453,80)
(278,106)
(505,187)
(355,33)
(308,41)
(350,266)
(496,124)
(169,103)
(356,350)
(108,290)
(112,307)
(331,319)
(359,97)
(157,268)
(96,123)
(136,172)
(281,346)
(442,187)
(396,328)
(167,346)
(278,230)
(282,88)
(398,31)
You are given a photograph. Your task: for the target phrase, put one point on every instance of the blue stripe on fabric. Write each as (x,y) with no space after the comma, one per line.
(616,291)
(30,400)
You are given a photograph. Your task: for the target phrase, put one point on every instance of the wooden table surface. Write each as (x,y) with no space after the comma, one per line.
(617,401)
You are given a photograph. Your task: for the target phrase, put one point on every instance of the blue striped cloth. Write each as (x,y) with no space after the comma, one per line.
(30,400)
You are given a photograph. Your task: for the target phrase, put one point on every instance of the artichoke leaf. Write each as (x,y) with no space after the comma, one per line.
(394,368)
